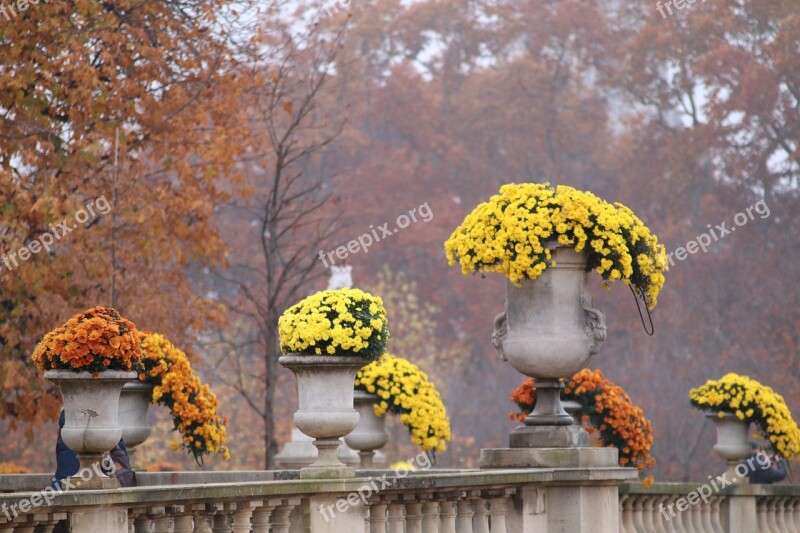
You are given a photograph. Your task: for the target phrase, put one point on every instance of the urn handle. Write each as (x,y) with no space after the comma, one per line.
(499,334)
(595,324)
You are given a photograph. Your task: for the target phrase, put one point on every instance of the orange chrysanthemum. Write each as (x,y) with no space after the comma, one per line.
(192,404)
(95,340)
(605,407)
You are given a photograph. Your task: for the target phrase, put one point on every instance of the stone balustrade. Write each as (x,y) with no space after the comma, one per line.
(670,508)
(432,501)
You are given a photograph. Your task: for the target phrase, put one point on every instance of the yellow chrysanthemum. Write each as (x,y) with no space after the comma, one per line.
(406,390)
(338,322)
(513,232)
(752,402)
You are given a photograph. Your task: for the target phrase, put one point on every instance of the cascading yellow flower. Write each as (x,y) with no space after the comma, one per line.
(752,402)
(514,231)
(405,390)
(193,405)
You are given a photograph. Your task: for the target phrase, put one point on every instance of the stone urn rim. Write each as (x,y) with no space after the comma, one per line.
(328,360)
(68,373)
(727,415)
(138,385)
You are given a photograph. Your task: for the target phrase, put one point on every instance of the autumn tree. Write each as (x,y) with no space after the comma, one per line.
(277,231)
(147,85)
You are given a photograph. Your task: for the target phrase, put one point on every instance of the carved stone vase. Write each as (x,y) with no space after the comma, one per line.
(732,444)
(91,411)
(134,404)
(325,411)
(370,433)
(549,330)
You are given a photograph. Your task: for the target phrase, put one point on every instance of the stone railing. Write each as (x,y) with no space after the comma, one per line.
(686,507)
(446,501)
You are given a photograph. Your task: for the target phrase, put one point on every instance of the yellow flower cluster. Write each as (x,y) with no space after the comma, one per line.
(337,322)
(752,402)
(404,389)
(95,340)
(192,404)
(515,230)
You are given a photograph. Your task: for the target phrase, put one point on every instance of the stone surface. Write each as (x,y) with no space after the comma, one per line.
(332,514)
(549,437)
(548,457)
(100,520)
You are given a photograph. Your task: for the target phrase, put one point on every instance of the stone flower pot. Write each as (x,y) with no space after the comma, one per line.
(549,330)
(134,404)
(91,414)
(325,412)
(370,433)
(732,444)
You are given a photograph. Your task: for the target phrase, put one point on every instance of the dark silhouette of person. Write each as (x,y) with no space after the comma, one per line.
(764,472)
(67,463)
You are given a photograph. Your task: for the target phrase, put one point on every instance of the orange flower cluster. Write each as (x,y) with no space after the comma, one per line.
(605,407)
(192,404)
(96,340)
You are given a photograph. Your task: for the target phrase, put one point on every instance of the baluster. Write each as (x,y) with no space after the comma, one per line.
(377,517)
(142,524)
(658,515)
(182,519)
(161,521)
(221,521)
(498,509)
(625,525)
(430,517)
(261,518)
(447,511)
(202,515)
(281,515)
(243,515)
(761,514)
(480,519)
(716,514)
(772,516)
(396,517)
(696,513)
(413,515)
(464,518)
(791,520)
(706,516)
(46,522)
(647,514)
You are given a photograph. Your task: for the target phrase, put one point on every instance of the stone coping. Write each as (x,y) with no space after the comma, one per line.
(730,490)
(216,492)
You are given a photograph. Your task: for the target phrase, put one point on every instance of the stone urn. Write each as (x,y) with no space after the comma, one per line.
(732,444)
(134,404)
(91,415)
(549,330)
(370,433)
(325,411)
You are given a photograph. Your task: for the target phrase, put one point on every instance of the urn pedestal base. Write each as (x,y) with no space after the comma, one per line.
(327,465)
(549,437)
(548,457)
